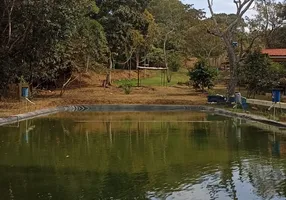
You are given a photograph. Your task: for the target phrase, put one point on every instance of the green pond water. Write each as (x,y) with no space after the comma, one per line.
(74,156)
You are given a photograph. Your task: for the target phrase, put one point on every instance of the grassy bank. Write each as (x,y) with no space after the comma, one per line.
(157,79)
(90,91)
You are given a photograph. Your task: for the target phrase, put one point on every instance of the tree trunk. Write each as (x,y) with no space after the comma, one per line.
(233,64)
(137,59)
(108,75)
(87,63)
(137,67)
(165,56)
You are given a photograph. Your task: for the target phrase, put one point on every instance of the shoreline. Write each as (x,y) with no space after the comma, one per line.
(138,108)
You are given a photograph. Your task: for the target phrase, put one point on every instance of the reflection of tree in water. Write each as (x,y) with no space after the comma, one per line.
(138,160)
(265,176)
(226,176)
(201,134)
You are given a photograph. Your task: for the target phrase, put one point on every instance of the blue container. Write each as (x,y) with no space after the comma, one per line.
(25,92)
(244,103)
(276,96)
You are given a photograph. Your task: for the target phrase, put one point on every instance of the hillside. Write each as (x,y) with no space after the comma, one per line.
(88,90)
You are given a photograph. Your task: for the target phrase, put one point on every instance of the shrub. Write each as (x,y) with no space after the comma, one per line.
(202,76)
(259,73)
(127,87)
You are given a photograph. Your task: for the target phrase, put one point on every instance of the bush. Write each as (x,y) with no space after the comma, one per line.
(259,73)
(202,76)
(127,87)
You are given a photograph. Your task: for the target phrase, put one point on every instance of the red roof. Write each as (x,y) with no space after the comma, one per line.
(274,52)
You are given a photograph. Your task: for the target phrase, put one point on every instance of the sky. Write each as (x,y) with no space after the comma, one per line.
(220,6)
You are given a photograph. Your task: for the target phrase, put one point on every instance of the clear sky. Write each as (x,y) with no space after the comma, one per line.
(220,6)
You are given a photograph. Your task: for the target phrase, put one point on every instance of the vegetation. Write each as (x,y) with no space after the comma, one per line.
(127,87)
(48,43)
(202,76)
(260,74)
(180,77)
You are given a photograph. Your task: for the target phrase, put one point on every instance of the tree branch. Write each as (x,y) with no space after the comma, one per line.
(241,10)
(210,4)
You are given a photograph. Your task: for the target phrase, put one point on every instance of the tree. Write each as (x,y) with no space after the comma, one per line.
(201,44)
(268,19)
(32,39)
(202,76)
(227,35)
(42,41)
(174,19)
(275,36)
(121,20)
(88,43)
(259,73)
(278,38)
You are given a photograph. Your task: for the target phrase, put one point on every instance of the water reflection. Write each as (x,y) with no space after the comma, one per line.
(141,156)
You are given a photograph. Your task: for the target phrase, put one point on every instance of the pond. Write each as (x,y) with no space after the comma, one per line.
(171,155)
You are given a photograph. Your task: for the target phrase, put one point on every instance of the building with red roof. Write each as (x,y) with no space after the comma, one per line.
(277,55)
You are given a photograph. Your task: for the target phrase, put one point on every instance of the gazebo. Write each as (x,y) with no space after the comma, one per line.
(146,67)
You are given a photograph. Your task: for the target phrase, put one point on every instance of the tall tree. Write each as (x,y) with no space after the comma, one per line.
(268,18)
(121,20)
(38,38)
(227,35)
(201,44)
(174,19)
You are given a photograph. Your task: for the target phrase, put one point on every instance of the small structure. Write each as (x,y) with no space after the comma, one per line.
(277,55)
(146,67)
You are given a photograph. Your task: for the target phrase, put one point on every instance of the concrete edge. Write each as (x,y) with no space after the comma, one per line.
(138,108)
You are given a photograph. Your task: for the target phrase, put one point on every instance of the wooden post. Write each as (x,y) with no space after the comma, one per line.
(161,77)
(138,71)
(80,79)
(130,69)
(165,81)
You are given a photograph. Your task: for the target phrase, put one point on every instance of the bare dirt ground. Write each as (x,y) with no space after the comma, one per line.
(90,91)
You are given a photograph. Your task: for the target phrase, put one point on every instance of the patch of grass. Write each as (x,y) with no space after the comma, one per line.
(157,79)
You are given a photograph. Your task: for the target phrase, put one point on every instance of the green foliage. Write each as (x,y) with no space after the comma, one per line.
(174,20)
(202,75)
(124,24)
(259,73)
(156,56)
(44,41)
(47,39)
(278,38)
(175,62)
(126,86)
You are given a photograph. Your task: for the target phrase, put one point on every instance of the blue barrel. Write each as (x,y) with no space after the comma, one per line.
(276,96)
(25,92)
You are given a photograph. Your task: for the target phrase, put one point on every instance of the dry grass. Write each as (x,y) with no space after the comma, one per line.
(91,92)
